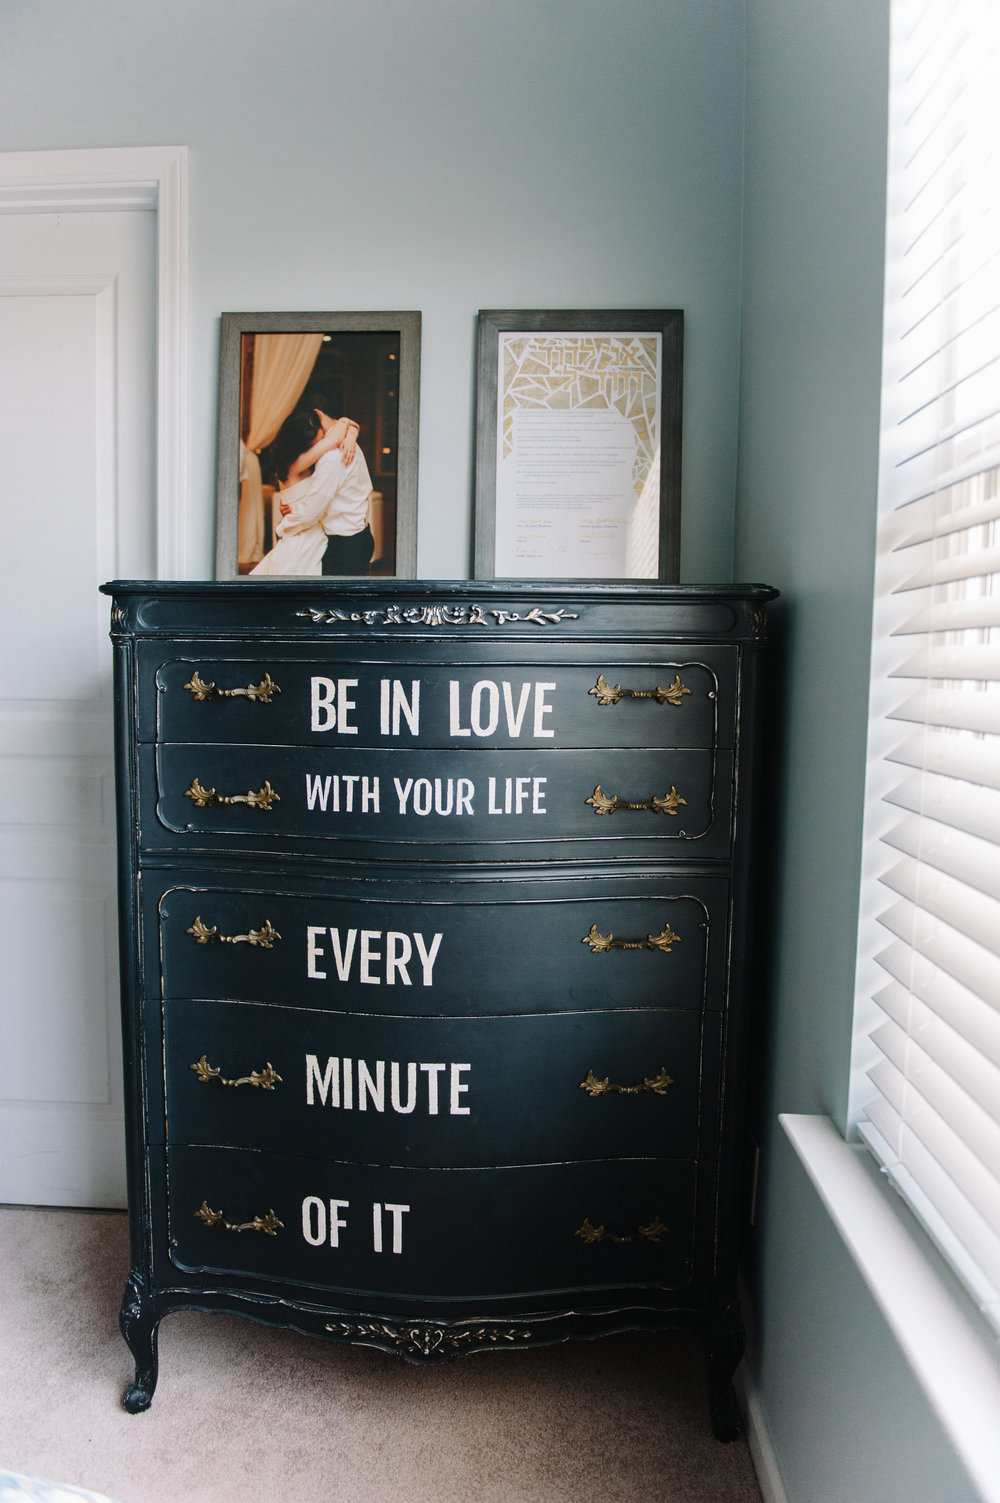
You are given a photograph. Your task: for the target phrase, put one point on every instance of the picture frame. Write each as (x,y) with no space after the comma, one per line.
(273,365)
(578,444)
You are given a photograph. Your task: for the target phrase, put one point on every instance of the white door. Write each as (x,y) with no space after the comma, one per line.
(77,440)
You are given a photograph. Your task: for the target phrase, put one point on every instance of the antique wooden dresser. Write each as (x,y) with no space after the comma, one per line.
(434,958)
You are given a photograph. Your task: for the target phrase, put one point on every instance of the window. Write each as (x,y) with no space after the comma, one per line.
(926,1082)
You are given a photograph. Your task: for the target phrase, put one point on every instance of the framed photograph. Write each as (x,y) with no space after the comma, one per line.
(318,425)
(578,445)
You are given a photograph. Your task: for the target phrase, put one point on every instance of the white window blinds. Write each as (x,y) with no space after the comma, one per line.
(927,1056)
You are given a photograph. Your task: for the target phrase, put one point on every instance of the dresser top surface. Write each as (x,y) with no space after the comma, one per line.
(456,589)
(293,608)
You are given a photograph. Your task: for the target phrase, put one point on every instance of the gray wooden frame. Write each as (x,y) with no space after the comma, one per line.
(669,322)
(234,326)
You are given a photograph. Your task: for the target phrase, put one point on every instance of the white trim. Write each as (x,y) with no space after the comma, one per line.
(133,178)
(762,1452)
(949,1348)
(74,198)
(105,468)
(172,532)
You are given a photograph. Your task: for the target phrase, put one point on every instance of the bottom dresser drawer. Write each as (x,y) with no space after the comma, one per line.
(432,1232)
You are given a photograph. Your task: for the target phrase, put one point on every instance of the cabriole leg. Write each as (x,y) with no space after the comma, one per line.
(725,1348)
(139,1324)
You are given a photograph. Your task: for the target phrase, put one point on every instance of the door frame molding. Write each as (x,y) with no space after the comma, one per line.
(133,178)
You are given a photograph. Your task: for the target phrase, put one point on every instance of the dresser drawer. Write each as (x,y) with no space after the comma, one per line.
(424,945)
(431,1232)
(676,701)
(519,801)
(434,1092)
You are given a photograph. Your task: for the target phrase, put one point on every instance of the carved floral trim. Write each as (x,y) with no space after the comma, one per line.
(433,615)
(424,1340)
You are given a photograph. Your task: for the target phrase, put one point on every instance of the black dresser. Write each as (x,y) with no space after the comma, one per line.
(434,950)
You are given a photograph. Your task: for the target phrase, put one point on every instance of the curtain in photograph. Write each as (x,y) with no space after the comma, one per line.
(282,365)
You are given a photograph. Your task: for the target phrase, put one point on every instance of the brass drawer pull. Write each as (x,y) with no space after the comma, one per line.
(600,943)
(264,938)
(260,693)
(594,1234)
(656,1085)
(673,694)
(603,803)
(204,797)
(269,1224)
(265,1079)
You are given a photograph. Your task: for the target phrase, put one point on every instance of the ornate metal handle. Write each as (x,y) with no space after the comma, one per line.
(593,1234)
(673,694)
(600,943)
(656,1085)
(265,938)
(260,693)
(265,1079)
(604,803)
(269,1224)
(204,797)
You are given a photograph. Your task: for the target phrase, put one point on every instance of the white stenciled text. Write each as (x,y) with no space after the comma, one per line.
(480,713)
(322,1223)
(371,956)
(356,1084)
(489,708)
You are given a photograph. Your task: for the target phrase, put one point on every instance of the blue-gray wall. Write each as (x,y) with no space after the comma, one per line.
(446,155)
(847,1420)
(814,234)
(449,155)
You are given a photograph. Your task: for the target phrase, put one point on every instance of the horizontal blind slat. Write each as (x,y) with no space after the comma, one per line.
(967,1015)
(946,569)
(961,958)
(891,1085)
(951,759)
(942,468)
(947,1143)
(952,287)
(953,802)
(973,710)
(974,502)
(963,856)
(972,661)
(951,901)
(944,444)
(946,456)
(973,614)
(940,263)
(965,1170)
(968,396)
(962,1005)
(924,1035)
(970,308)
(956,1212)
(888,1121)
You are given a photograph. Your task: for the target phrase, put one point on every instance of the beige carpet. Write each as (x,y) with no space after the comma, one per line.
(247,1414)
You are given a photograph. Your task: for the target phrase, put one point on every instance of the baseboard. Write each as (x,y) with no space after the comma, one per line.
(759,1439)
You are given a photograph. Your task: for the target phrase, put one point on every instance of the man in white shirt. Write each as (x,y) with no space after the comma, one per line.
(338,499)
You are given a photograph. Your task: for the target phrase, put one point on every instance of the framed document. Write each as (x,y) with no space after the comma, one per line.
(286,382)
(578,444)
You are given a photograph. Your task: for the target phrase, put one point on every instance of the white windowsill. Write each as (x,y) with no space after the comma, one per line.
(950,1348)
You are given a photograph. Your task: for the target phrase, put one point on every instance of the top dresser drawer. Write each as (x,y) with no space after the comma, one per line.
(681,698)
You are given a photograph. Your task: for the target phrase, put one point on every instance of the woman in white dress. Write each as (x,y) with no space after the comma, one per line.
(304,437)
